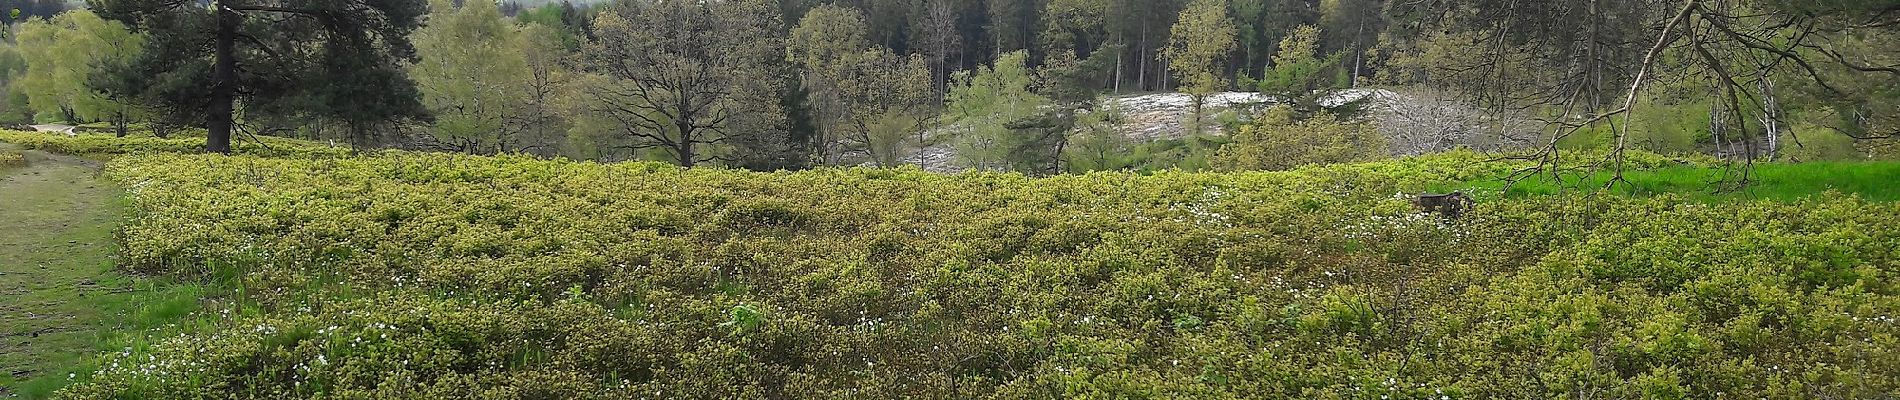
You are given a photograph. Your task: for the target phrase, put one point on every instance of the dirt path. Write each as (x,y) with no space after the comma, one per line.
(57,280)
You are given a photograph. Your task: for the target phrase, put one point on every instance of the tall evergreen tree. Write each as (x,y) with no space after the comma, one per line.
(333,59)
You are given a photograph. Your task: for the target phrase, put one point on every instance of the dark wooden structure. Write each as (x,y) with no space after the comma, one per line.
(1449,205)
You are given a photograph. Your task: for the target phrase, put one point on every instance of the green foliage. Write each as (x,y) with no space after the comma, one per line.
(1710,181)
(1198,47)
(429,276)
(1299,74)
(88,144)
(1279,140)
(1884,149)
(867,101)
(1099,141)
(1807,142)
(1192,153)
(1294,68)
(14,107)
(1074,27)
(488,82)
(691,82)
(1682,126)
(983,104)
(826,34)
(568,23)
(324,60)
(1200,43)
(64,54)
(10,158)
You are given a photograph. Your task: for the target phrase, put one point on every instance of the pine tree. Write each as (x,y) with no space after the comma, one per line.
(332,59)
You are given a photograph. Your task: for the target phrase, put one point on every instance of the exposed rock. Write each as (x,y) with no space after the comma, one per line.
(1165,115)
(1415,121)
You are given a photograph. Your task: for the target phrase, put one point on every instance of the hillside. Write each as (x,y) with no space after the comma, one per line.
(1146,118)
(424,276)
(1413,121)
(902,199)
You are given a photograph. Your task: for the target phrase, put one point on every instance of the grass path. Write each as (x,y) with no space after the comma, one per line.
(59,292)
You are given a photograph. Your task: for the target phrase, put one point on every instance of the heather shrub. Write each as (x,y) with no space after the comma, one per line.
(428,276)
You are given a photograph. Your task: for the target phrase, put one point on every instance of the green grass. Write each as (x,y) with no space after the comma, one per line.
(1877,181)
(62,301)
(137,129)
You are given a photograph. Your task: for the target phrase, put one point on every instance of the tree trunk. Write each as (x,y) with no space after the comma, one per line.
(1246,61)
(1141,73)
(1771,115)
(1165,75)
(218,121)
(1716,128)
(1056,162)
(356,137)
(1358,51)
(685,148)
(118,124)
(1200,101)
(685,152)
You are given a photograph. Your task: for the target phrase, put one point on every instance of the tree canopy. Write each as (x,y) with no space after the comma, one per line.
(64,55)
(336,60)
(692,79)
(788,84)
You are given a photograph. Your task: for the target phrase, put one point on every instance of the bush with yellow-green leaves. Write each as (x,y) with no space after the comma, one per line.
(438,276)
(1280,140)
(95,144)
(11,158)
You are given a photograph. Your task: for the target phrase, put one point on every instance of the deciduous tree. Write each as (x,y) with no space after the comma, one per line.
(1280,140)
(984,105)
(867,101)
(1200,43)
(472,74)
(694,80)
(64,54)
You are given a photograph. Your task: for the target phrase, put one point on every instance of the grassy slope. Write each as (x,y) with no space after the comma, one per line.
(474,225)
(1777,181)
(60,297)
(1878,181)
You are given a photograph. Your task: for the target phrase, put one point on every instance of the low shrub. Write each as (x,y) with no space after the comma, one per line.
(11,158)
(94,144)
(430,276)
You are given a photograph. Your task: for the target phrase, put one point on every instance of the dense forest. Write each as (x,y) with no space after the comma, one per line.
(1023,85)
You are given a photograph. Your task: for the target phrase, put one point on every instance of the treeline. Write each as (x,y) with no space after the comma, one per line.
(16,11)
(1004,84)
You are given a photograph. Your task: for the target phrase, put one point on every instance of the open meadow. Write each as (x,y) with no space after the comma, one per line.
(949,199)
(413,275)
